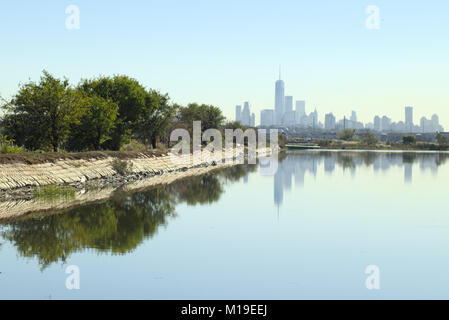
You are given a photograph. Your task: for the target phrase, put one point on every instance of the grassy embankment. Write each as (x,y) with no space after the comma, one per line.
(43,157)
(51,192)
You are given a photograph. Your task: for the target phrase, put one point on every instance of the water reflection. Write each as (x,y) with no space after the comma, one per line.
(297,164)
(115,226)
(118,225)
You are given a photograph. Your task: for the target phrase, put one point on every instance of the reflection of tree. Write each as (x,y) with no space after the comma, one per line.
(441,158)
(235,173)
(117,225)
(368,158)
(346,161)
(208,187)
(283,155)
(199,190)
(409,157)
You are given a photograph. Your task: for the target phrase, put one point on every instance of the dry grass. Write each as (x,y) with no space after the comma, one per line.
(37,157)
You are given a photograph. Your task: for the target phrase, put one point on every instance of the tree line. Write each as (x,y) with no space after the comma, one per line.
(102,113)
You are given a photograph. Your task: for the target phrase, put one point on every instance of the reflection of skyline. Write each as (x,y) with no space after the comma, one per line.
(296,165)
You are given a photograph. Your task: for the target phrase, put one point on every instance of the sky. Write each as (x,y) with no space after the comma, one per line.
(227,52)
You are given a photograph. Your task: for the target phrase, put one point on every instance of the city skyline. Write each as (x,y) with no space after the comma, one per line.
(283,115)
(223,53)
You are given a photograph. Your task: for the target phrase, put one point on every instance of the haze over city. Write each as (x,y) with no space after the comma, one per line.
(227,53)
(290,112)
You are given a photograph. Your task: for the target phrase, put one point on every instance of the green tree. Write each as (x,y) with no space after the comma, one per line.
(7,145)
(442,140)
(210,116)
(156,118)
(96,124)
(234,125)
(369,139)
(130,97)
(40,114)
(409,139)
(347,134)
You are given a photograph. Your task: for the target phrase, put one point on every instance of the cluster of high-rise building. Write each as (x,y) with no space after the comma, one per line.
(245,117)
(385,124)
(283,115)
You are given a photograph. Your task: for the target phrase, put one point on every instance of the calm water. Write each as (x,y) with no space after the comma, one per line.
(309,231)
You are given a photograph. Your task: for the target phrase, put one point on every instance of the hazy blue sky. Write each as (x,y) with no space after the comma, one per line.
(227,52)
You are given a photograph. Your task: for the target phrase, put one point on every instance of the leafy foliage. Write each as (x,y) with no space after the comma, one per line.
(369,139)
(122,167)
(95,126)
(41,113)
(53,192)
(210,116)
(7,145)
(128,94)
(347,134)
(442,140)
(409,139)
(103,113)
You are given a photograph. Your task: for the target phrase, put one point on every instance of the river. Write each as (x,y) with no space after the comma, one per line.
(314,230)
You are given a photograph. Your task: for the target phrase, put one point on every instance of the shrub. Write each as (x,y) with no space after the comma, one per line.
(408,139)
(347,134)
(133,145)
(53,191)
(7,145)
(282,140)
(122,167)
(369,139)
(324,142)
(442,140)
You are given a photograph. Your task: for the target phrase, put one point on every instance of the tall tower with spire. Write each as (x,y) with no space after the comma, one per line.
(279,99)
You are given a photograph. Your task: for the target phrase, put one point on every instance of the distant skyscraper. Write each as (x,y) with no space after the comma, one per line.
(353,116)
(424,124)
(432,125)
(386,124)
(314,117)
(252,122)
(329,121)
(279,100)
(267,117)
(409,118)
(238,113)
(300,110)
(377,124)
(246,114)
(288,104)
(289,118)
(435,120)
